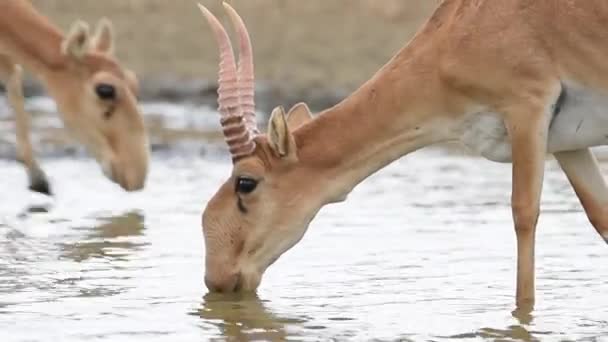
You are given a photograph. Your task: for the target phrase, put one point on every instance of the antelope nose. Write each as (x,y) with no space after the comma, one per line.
(225,284)
(129,178)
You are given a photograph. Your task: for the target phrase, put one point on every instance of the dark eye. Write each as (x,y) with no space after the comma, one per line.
(245,185)
(105,91)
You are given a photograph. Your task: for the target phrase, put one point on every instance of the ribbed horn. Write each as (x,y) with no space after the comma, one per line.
(235,128)
(246,78)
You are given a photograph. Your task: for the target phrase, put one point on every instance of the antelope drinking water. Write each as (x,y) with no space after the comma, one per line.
(513,80)
(95,95)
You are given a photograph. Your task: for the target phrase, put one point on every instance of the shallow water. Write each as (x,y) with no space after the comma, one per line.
(423,250)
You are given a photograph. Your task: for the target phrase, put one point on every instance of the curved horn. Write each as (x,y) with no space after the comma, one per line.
(246,70)
(236,132)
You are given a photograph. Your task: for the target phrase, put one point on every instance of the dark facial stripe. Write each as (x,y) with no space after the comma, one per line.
(241,206)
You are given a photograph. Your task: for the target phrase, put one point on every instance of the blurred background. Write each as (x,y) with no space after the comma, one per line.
(423,250)
(304,50)
(312,51)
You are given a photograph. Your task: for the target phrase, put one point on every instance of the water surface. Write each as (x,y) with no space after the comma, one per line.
(422,251)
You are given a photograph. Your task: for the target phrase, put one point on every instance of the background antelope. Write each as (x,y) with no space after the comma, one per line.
(512,80)
(94,93)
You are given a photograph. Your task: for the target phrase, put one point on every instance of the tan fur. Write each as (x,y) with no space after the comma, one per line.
(501,56)
(70,68)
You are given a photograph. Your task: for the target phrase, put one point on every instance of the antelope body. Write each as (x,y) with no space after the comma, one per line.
(514,80)
(95,95)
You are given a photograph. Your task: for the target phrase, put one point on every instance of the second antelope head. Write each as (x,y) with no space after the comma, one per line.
(97,99)
(265,206)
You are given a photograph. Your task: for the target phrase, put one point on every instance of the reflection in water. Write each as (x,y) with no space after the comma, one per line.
(511,333)
(111,239)
(11,259)
(523,314)
(38,270)
(242,317)
(420,252)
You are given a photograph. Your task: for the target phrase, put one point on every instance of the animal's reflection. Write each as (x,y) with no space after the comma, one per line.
(517,332)
(243,317)
(511,333)
(111,239)
(28,262)
(523,314)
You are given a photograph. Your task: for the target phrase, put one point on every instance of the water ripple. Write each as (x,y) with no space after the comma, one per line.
(423,250)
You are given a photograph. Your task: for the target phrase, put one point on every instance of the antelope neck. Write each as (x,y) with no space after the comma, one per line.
(29,38)
(396,112)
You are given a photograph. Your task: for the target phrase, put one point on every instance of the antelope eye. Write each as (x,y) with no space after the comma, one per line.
(105,91)
(245,185)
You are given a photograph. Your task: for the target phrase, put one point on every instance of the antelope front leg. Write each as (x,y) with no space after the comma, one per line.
(528,133)
(37,179)
(586,179)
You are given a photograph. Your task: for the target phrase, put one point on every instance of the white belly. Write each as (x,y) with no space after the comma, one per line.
(581,122)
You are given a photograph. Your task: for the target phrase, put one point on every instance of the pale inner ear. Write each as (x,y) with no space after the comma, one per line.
(103,39)
(279,136)
(76,43)
(298,115)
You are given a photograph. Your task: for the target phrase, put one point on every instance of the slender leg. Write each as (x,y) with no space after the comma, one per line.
(528,132)
(12,76)
(584,174)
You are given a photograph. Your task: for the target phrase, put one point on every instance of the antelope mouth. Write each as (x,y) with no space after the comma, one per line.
(113,172)
(247,282)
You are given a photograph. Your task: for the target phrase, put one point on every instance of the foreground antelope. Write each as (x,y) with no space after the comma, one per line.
(511,79)
(95,95)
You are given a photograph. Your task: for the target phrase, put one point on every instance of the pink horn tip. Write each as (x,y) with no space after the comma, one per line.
(246,68)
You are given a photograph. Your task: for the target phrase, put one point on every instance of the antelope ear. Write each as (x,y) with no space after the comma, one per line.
(76,43)
(280,138)
(103,39)
(298,115)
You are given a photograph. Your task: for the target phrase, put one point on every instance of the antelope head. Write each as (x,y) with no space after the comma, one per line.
(97,100)
(265,206)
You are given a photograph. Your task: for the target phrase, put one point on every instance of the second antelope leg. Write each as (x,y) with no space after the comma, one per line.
(11,75)
(584,174)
